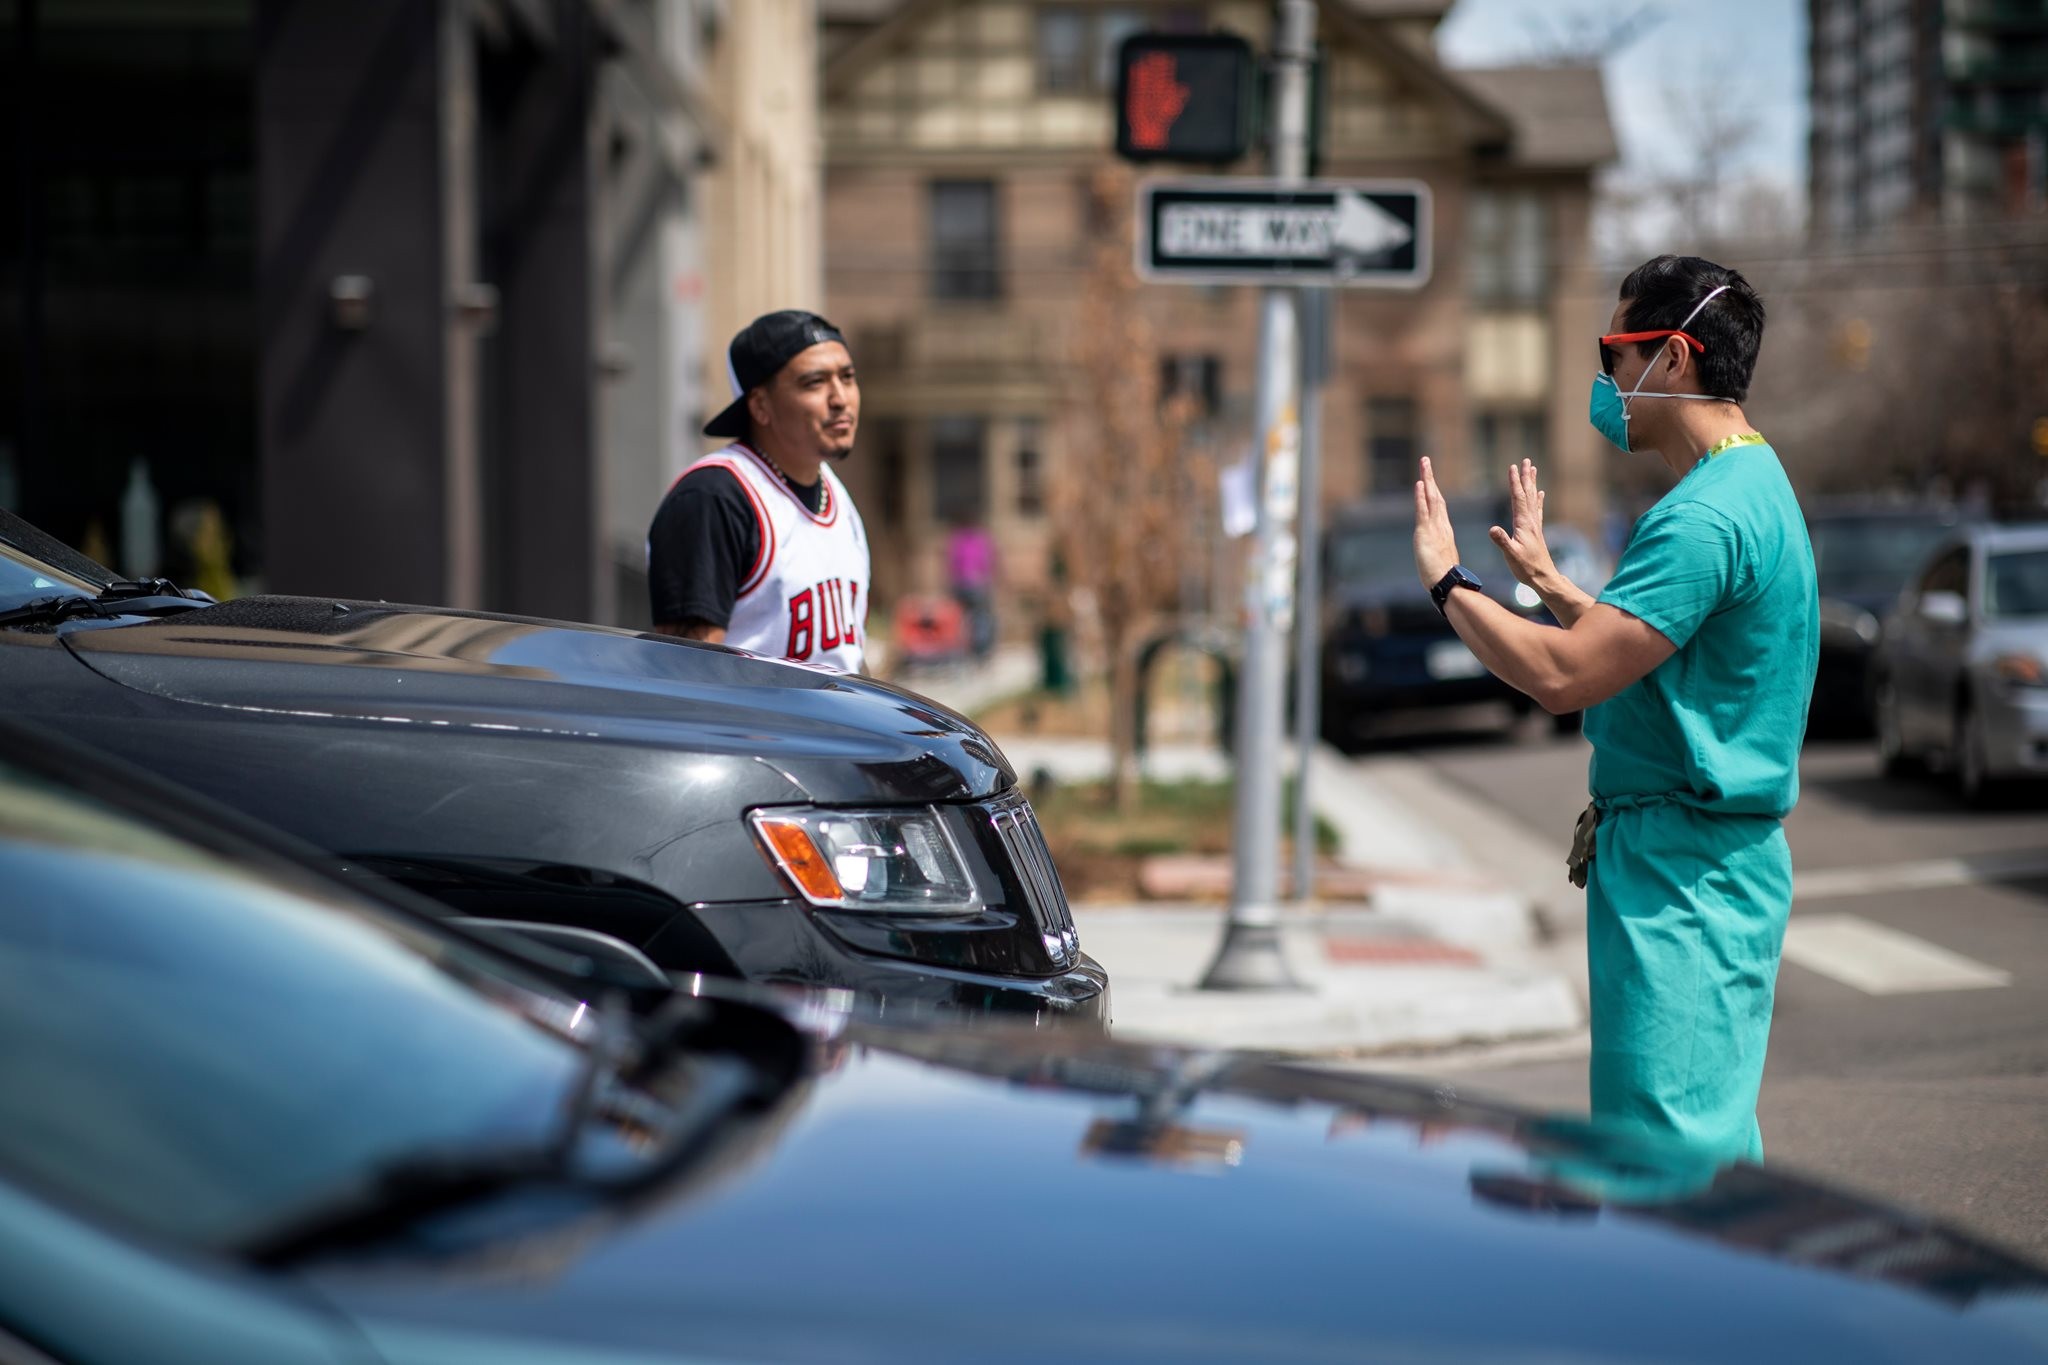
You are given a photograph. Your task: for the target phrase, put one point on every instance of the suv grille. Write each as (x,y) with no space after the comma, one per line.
(1031,861)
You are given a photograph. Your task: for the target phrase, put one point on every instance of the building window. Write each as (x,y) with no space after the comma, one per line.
(1030,469)
(959,471)
(1077,44)
(965,260)
(884,440)
(1508,246)
(1390,444)
(1198,376)
(1111,28)
(1063,50)
(1500,439)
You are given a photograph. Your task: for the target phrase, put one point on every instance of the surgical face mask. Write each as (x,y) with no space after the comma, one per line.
(1607,408)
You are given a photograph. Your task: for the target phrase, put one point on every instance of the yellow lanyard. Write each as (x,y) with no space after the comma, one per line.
(1746,438)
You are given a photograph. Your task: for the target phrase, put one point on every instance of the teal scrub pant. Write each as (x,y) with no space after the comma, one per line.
(1685,920)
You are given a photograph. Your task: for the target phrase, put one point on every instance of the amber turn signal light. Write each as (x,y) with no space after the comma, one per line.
(799,857)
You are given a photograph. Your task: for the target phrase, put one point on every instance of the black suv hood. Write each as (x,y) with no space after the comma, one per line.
(998,1196)
(374,662)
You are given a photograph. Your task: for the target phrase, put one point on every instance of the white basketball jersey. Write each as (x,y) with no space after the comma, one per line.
(806,594)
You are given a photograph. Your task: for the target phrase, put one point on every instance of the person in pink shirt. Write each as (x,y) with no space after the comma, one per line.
(971,570)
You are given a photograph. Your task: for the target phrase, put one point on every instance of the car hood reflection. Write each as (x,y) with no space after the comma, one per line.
(995,1195)
(319,658)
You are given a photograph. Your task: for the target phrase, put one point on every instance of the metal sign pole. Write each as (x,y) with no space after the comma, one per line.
(1316,309)
(1249,956)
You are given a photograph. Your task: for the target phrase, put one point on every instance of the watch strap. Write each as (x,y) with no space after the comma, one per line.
(1458,577)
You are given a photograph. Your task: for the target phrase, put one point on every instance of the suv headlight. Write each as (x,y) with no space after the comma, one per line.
(2020,670)
(894,861)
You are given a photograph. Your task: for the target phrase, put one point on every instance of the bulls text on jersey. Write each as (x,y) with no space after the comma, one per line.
(802,597)
(821,619)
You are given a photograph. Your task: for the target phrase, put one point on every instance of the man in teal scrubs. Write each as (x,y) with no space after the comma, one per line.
(1694,667)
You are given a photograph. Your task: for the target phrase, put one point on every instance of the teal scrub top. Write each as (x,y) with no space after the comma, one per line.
(1721,567)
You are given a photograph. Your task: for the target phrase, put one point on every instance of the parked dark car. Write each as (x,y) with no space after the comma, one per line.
(1962,673)
(1385,647)
(255,1117)
(719,812)
(1863,553)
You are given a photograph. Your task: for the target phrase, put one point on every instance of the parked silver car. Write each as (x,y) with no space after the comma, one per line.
(1962,673)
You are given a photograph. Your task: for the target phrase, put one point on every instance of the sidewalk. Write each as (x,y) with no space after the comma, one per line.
(1454,943)
(968,686)
(1376,983)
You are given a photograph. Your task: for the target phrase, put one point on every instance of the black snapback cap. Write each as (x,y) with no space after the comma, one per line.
(758,354)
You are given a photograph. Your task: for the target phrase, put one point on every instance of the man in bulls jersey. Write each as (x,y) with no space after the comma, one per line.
(757,545)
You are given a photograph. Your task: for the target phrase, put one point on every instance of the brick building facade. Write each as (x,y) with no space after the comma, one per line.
(961,138)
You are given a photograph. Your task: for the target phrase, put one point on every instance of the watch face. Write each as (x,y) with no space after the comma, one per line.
(1458,577)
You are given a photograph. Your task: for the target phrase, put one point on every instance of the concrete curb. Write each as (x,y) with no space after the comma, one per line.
(1357,1013)
(1448,954)
(1375,983)
(1485,839)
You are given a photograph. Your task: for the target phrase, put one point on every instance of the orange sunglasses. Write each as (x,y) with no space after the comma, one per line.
(1608,355)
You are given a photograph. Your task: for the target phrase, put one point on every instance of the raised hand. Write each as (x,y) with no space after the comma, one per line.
(1522,545)
(1436,544)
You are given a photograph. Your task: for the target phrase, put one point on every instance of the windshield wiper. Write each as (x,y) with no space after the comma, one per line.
(399,1194)
(405,1190)
(128,597)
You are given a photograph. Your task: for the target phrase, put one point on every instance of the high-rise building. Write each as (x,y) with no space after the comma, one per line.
(1926,111)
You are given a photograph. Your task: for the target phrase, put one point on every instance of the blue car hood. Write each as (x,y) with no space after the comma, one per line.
(972,1196)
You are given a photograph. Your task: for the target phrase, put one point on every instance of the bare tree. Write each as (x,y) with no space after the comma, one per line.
(1123,493)
(1717,133)
(1991,381)
(1908,362)
(1585,37)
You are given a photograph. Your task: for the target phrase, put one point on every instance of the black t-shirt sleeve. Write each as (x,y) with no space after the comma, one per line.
(704,541)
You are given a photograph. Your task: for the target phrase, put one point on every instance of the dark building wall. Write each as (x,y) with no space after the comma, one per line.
(446,452)
(126,294)
(352,423)
(540,212)
(187,184)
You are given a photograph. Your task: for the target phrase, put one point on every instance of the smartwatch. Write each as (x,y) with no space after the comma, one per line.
(1458,577)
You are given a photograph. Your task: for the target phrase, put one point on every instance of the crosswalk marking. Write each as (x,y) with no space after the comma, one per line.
(1923,875)
(1878,960)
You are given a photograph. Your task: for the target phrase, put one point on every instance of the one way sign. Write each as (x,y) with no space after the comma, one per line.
(1366,232)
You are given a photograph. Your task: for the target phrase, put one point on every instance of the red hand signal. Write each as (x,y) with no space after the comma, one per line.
(1155,100)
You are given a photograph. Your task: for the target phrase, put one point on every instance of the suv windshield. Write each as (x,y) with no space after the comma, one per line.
(33,565)
(1372,554)
(197,1048)
(2016,585)
(23,579)
(1872,556)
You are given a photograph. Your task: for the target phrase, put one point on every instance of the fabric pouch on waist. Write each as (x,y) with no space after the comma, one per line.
(1584,838)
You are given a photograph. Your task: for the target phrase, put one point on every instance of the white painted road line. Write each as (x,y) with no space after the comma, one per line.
(1919,876)
(1881,961)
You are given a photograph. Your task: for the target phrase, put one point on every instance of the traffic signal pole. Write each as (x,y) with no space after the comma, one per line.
(1250,955)
(1317,311)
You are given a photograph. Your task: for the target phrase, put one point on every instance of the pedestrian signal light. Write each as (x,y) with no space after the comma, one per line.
(1184,97)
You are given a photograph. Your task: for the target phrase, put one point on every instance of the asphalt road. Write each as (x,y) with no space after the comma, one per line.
(1927,1084)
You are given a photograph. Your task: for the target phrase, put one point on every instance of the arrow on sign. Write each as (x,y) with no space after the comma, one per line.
(1350,233)
(1363,228)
